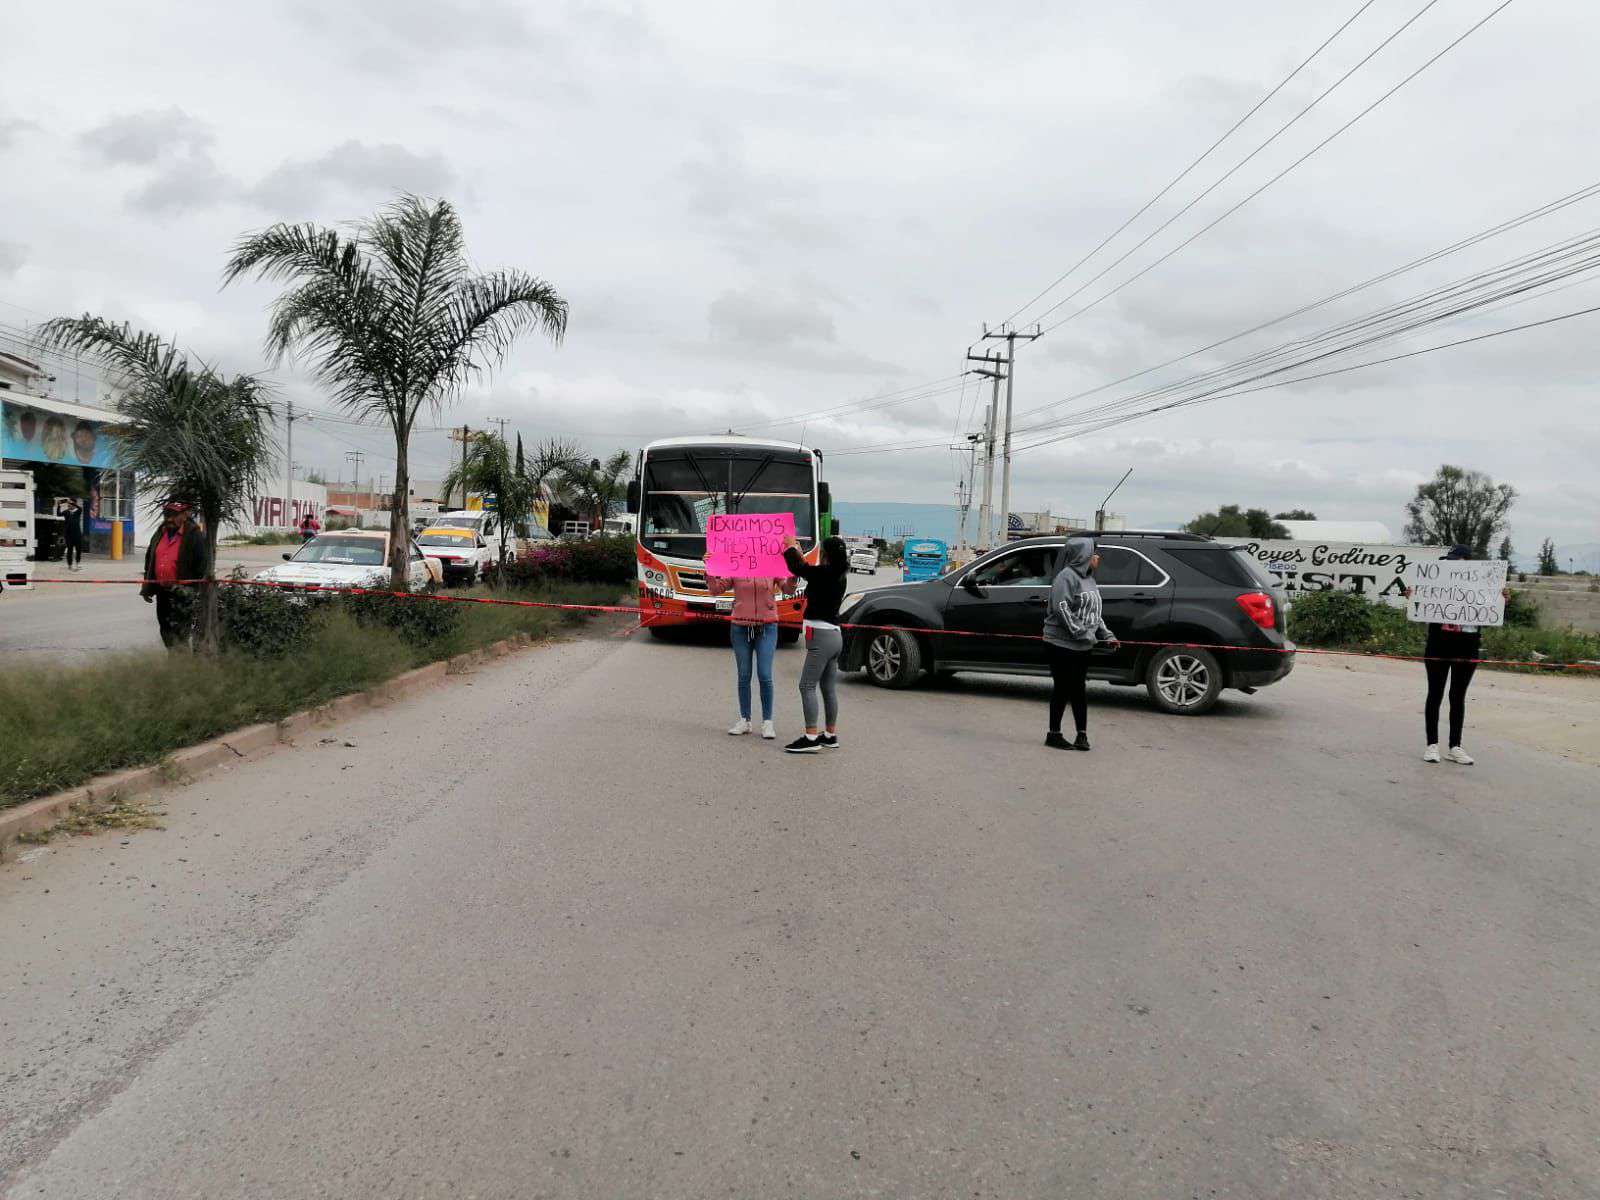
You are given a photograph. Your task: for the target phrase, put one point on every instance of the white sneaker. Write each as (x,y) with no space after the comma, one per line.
(1458,755)
(1431,754)
(740,726)
(767,731)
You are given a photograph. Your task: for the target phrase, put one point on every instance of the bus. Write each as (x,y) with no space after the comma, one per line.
(681,482)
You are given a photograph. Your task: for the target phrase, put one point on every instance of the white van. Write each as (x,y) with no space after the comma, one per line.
(863,559)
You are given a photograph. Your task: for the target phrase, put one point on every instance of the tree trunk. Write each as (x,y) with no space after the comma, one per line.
(399,518)
(209,635)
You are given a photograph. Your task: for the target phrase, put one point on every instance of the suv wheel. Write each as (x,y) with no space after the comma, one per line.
(894,659)
(1184,680)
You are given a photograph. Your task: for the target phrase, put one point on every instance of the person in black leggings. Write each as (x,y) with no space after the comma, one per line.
(1451,658)
(1072,628)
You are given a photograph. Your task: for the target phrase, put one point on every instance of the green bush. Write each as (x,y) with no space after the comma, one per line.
(589,560)
(418,620)
(1522,610)
(1330,618)
(263,622)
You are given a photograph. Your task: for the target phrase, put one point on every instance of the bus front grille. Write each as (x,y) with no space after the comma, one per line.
(692,581)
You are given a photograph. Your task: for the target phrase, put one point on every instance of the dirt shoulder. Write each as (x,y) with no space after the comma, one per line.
(1556,714)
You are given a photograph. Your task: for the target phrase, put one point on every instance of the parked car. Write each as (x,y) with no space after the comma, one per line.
(1156,587)
(863,559)
(350,558)
(462,553)
(487,524)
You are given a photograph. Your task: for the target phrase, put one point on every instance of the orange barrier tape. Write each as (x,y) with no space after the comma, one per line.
(645,613)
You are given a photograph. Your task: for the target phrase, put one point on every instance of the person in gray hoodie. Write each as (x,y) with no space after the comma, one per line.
(1072,628)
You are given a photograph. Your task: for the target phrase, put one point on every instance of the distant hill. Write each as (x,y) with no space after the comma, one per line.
(893,521)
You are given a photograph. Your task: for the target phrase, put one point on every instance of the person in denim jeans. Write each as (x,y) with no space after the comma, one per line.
(754,634)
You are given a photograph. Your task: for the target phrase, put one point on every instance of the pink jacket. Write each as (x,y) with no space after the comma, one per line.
(755,601)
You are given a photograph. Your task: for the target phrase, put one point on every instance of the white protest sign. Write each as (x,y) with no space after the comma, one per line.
(1458,592)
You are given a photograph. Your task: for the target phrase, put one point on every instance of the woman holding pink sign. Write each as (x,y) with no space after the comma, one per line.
(754,633)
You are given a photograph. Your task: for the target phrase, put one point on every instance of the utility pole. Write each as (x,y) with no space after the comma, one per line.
(355,457)
(500,421)
(964,489)
(462,436)
(986,509)
(288,464)
(1100,513)
(1010,335)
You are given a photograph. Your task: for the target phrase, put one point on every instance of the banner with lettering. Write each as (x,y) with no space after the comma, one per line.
(748,545)
(1462,592)
(1374,571)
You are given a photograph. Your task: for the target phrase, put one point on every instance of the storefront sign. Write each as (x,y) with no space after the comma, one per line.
(1377,572)
(39,435)
(1457,593)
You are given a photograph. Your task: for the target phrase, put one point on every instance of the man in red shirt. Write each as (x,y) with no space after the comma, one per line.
(175,558)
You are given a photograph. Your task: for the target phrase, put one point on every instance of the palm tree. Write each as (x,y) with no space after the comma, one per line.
(392,318)
(596,486)
(186,432)
(516,484)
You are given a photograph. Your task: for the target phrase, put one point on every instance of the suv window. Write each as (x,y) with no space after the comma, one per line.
(1032,567)
(1123,568)
(1229,567)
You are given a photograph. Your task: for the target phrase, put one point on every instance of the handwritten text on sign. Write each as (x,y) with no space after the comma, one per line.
(748,545)
(1457,592)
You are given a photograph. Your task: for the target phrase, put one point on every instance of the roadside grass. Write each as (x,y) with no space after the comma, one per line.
(65,725)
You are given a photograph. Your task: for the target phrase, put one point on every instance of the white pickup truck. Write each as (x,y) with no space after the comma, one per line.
(863,559)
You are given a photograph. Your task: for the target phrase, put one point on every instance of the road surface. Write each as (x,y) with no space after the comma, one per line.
(74,622)
(548,932)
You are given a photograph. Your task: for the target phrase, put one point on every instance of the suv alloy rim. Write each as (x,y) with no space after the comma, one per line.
(1183,680)
(883,656)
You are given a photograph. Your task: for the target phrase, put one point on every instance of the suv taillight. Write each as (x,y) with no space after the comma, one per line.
(1259,608)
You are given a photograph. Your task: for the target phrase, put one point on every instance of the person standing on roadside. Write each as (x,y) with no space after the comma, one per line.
(72,532)
(1451,659)
(309,526)
(1073,627)
(754,633)
(825,586)
(174,559)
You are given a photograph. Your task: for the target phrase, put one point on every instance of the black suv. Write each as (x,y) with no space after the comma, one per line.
(1155,587)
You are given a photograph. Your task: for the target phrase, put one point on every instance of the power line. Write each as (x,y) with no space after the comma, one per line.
(1297,162)
(1516,222)
(1181,175)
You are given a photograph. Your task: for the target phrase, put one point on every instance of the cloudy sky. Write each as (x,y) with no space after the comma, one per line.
(764,210)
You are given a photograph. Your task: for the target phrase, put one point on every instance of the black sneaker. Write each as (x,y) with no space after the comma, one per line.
(1056,742)
(830,741)
(1083,741)
(804,745)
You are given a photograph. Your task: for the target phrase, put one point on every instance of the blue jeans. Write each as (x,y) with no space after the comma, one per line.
(753,645)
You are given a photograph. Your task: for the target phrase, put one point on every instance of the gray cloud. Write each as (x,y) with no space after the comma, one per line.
(144,138)
(12,129)
(355,171)
(12,256)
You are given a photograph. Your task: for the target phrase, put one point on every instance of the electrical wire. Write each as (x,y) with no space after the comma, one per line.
(1516,222)
(1206,153)
(1203,230)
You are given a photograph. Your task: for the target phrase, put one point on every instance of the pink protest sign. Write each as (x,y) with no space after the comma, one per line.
(748,545)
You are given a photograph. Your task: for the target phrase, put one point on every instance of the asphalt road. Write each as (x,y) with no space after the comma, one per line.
(74,622)
(548,932)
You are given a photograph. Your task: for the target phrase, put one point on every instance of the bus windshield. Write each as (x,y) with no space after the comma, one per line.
(682,492)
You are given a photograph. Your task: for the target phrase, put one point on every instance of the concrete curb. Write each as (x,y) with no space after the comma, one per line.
(193,762)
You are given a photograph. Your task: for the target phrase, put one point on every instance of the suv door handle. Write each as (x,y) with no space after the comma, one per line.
(1037,600)
(1142,598)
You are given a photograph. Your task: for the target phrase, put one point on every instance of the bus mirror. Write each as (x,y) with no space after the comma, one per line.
(633,495)
(834,526)
(824,497)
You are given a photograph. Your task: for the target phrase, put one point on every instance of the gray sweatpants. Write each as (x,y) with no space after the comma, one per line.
(823,647)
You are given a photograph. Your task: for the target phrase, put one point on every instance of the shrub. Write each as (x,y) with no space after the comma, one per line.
(420,622)
(262,622)
(590,560)
(1330,618)
(1522,610)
